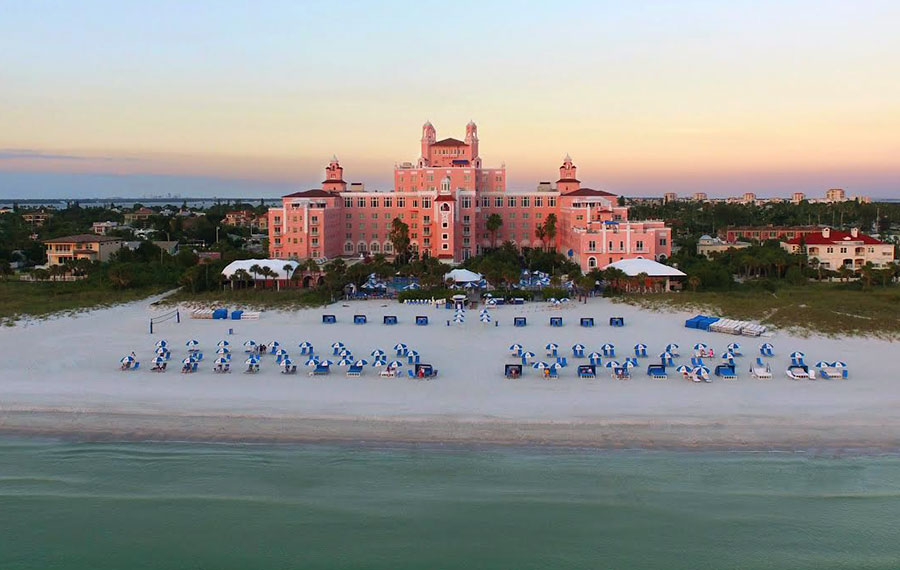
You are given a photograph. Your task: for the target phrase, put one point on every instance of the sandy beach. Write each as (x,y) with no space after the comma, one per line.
(62,378)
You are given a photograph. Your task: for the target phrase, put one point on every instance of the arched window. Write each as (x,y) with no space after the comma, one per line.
(445,207)
(361,247)
(592,262)
(374,247)
(445,184)
(388,247)
(348,247)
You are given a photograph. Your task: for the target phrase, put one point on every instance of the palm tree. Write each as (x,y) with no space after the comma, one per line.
(868,272)
(694,282)
(289,273)
(550,229)
(255,269)
(241,276)
(494,223)
(541,233)
(643,280)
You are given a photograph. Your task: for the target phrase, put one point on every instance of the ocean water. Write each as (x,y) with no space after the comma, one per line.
(208,506)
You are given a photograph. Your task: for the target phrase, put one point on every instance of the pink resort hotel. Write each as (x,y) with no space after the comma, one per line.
(446,198)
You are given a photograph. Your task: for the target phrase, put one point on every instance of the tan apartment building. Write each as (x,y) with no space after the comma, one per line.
(81,246)
(835,249)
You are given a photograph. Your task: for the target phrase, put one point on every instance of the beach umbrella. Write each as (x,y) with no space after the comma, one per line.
(459,319)
(280,352)
(250,344)
(337,345)
(345,352)
(192,343)
(766,346)
(222,350)
(305,345)
(822,364)
(222,343)
(613,364)
(394,364)
(557,365)
(221,361)
(314,361)
(683,369)
(412,353)
(700,346)
(485,318)
(540,365)
(672,349)
(491,302)
(629,364)
(797,355)
(377,353)
(594,357)
(287,362)
(188,360)
(666,355)
(516,348)
(733,348)
(400,347)
(631,361)
(251,360)
(577,347)
(527,354)
(344,362)
(608,346)
(640,347)
(161,344)
(379,362)
(701,371)
(162,350)
(127,359)
(325,363)
(552,346)
(361,362)
(728,355)
(839,364)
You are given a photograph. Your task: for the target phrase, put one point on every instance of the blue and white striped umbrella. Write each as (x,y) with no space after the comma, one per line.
(839,364)
(631,361)
(459,319)
(305,345)
(700,346)
(527,354)
(516,348)
(162,350)
(251,344)
(491,302)
(629,364)
(540,365)
(223,343)
(281,352)
(608,346)
(337,345)
(797,354)
(640,346)
(188,360)
(325,363)
(484,312)
(822,364)
(577,347)
(361,362)
(400,347)
(666,355)
(222,350)
(252,360)
(552,346)
(766,346)
(733,347)
(127,359)
(287,362)
(728,355)
(344,352)
(192,343)
(485,318)
(613,364)
(594,356)
(557,365)
(344,362)
(683,369)
(377,353)
(379,362)
(314,361)
(672,349)
(221,361)
(161,344)
(701,371)
(395,364)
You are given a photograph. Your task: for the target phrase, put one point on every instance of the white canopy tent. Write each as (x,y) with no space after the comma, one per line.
(462,276)
(638,265)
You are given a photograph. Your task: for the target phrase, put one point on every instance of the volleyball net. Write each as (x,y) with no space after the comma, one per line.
(176,315)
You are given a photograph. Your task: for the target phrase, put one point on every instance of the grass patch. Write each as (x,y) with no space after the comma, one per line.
(20,299)
(258,299)
(828,309)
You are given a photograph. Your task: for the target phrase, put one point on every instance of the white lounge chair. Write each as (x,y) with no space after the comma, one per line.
(760,370)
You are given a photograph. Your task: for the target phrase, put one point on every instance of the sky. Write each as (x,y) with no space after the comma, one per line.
(225,98)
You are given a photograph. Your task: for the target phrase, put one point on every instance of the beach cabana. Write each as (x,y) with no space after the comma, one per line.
(594,357)
(288,366)
(586,321)
(421,320)
(512,371)
(519,321)
(766,349)
(556,321)
(617,321)
(657,371)
(640,350)
(390,319)
(587,371)
(221,365)
(306,347)
(412,357)
(422,372)
(578,350)
(552,349)
(608,350)
(329,319)
(355,370)
(726,371)
(401,349)
(359,319)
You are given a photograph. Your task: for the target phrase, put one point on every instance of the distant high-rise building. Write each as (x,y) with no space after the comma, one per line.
(670,197)
(798,197)
(700,197)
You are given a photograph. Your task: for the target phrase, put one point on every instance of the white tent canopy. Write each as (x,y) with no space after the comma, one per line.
(638,265)
(276,265)
(462,276)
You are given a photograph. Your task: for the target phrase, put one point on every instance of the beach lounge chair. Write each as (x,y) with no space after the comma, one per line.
(834,371)
(657,372)
(799,372)
(621,373)
(726,371)
(552,374)
(587,371)
(291,369)
(760,370)
(696,361)
(513,371)
(354,371)
(388,373)
(320,370)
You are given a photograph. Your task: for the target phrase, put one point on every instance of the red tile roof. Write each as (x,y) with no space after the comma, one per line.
(567,180)
(449,142)
(83,238)
(588,192)
(314,193)
(835,237)
(445,198)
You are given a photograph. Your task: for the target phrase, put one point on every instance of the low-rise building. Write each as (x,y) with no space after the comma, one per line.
(139,215)
(81,246)
(37,218)
(763,233)
(240,218)
(834,249)
(103,228)
(707,245)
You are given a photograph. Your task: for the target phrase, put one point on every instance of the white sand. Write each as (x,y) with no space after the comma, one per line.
(62,376)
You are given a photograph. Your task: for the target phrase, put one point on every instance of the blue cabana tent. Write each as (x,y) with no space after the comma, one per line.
(421,320)
(640,350)
(329,319)
(556,321)
(617,321)
(519,321)
(359,319)
(587,321)
(390,319)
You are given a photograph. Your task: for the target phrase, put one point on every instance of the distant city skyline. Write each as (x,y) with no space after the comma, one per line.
(105,98)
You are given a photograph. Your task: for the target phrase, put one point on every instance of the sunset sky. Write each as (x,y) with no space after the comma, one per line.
(252,98)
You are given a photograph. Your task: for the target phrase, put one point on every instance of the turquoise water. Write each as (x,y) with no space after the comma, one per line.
(199,506)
